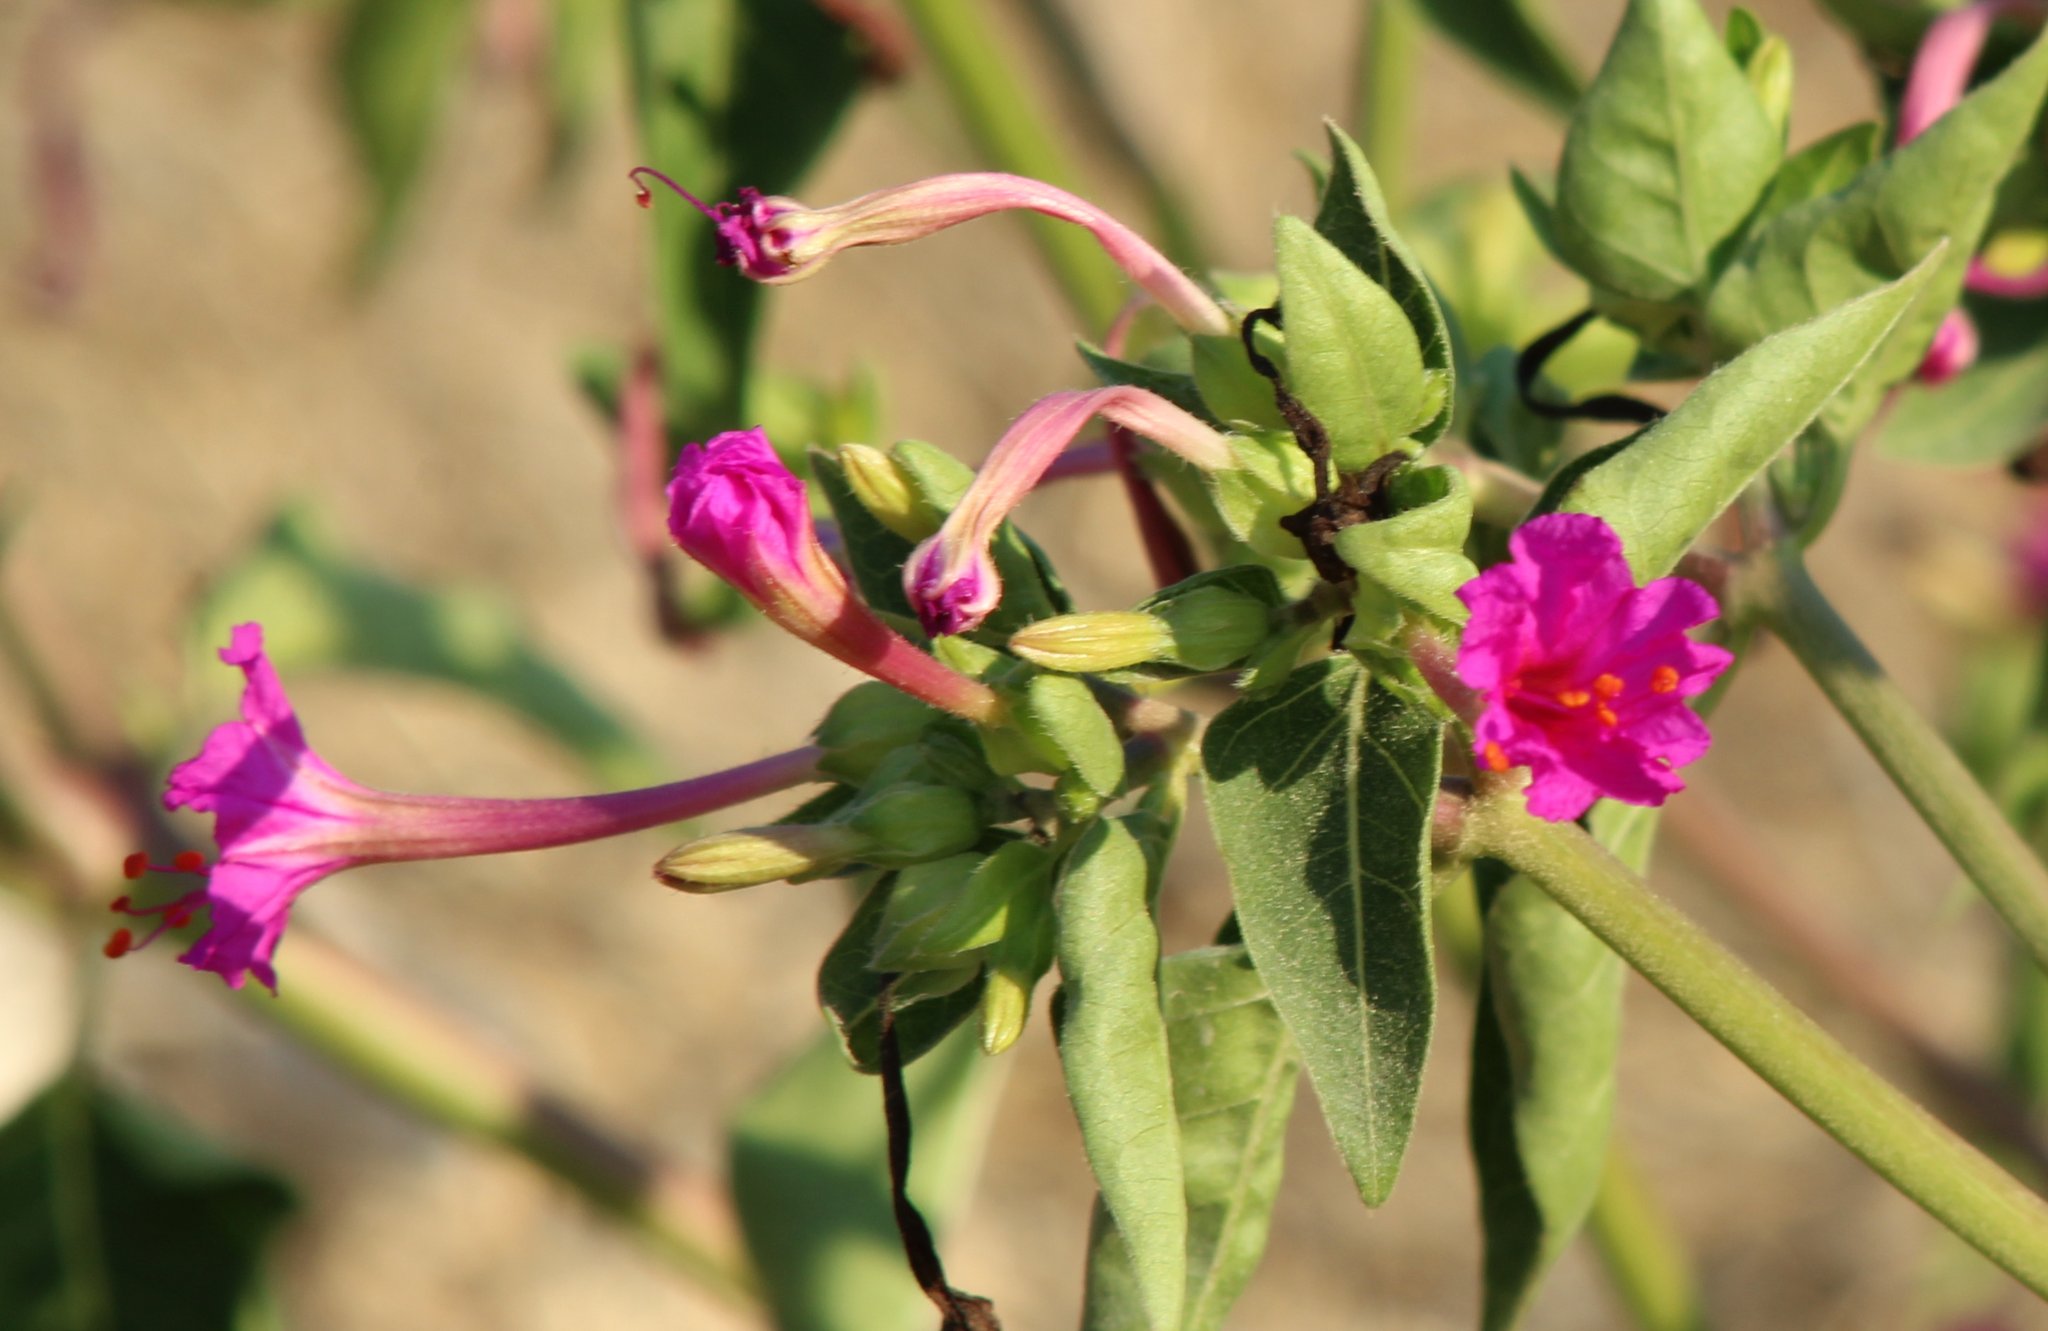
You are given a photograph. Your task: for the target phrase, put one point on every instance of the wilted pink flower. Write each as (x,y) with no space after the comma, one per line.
(1584,675)
(773,239)
(950,579)
(1953,350)
(283,820)
(736,509)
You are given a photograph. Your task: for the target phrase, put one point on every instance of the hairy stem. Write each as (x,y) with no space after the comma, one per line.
(1643,1257)
(1942,1173)
(1909,749)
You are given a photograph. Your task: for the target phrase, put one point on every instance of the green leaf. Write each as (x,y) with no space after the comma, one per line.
(1113,1049)
(1416,555)
(810,1177)
(114,1218)
(851,991)
(1664,488)
(1232,391)
(1352,358)
(1991,413)
(1059,715)
(1322,795)
(1822,167)
(1818,254)
(1234,1072)
(1513,39)
(320,611)
(941,910)
(1543,1056)
(1664,159)
(727,93)
(398,64)
(1353,216)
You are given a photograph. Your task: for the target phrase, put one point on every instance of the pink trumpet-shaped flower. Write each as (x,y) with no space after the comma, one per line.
(773,239)
(736,509)
(283,820)
(1584,674)
(950,579)
(1940,76)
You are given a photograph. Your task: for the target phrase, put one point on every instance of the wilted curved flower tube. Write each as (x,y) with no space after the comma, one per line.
(773,239)
(736,509)
(283,820)
(950,579)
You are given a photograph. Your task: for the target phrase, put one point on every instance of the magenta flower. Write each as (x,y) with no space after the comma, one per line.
(283,820)
(950,579)
(773,239)
(1939,77)
(1953,350)
(1584,675)
(737,510)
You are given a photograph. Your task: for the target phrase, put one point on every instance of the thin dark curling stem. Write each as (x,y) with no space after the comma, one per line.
(1613,407)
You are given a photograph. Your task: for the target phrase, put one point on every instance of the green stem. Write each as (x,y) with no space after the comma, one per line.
(1643,1256)
(1011,134)
(1911,752)
(1385,94)
(414,1057)
(1946,1176)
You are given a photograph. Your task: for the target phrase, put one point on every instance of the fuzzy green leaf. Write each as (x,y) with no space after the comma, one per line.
(851,991)
(1234,1072)
(1818,254)
(1113,1048)
(1352,358)
(1663,489)
(1322,794)
(1416,556)
(1665,156)
(1353,216)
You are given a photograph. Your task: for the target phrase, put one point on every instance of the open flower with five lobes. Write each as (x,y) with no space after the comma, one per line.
(950,579)
(773,239)
(283,820)
(1585,675)
(736,509)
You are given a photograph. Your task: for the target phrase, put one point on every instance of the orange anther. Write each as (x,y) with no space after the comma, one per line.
(1495,757)
(1575,697)
(118,944)
(1663,679)
(1606,715)
(189,861)
(135,866)
(1608,686)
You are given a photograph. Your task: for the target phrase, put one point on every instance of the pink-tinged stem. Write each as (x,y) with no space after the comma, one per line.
(867,644)
(1094,457)
(434,827)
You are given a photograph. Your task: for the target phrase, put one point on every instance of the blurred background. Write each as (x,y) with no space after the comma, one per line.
(193,342)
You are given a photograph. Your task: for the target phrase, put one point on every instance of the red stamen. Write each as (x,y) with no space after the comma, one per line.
(135,866)
(188,861)
(643,195)
(120,905)
(118,944)
(1663,679)
(178,916)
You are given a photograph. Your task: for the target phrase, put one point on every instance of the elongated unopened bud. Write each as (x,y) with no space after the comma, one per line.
(883,490)
(1093,640)
(910,824)
(758,855)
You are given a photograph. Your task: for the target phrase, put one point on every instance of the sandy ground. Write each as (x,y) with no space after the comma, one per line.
(216,366)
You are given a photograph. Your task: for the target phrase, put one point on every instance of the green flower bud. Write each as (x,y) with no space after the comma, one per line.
(1005,1007)
(910,824)
(1015,964)
(1093,641)
(1213,628)
(1769,70)
(757,855)
(870,722)
(941,911)
(887,493)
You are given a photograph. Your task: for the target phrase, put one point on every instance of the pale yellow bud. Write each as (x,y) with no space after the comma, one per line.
(1093,641)
(758,855)
(886,492)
